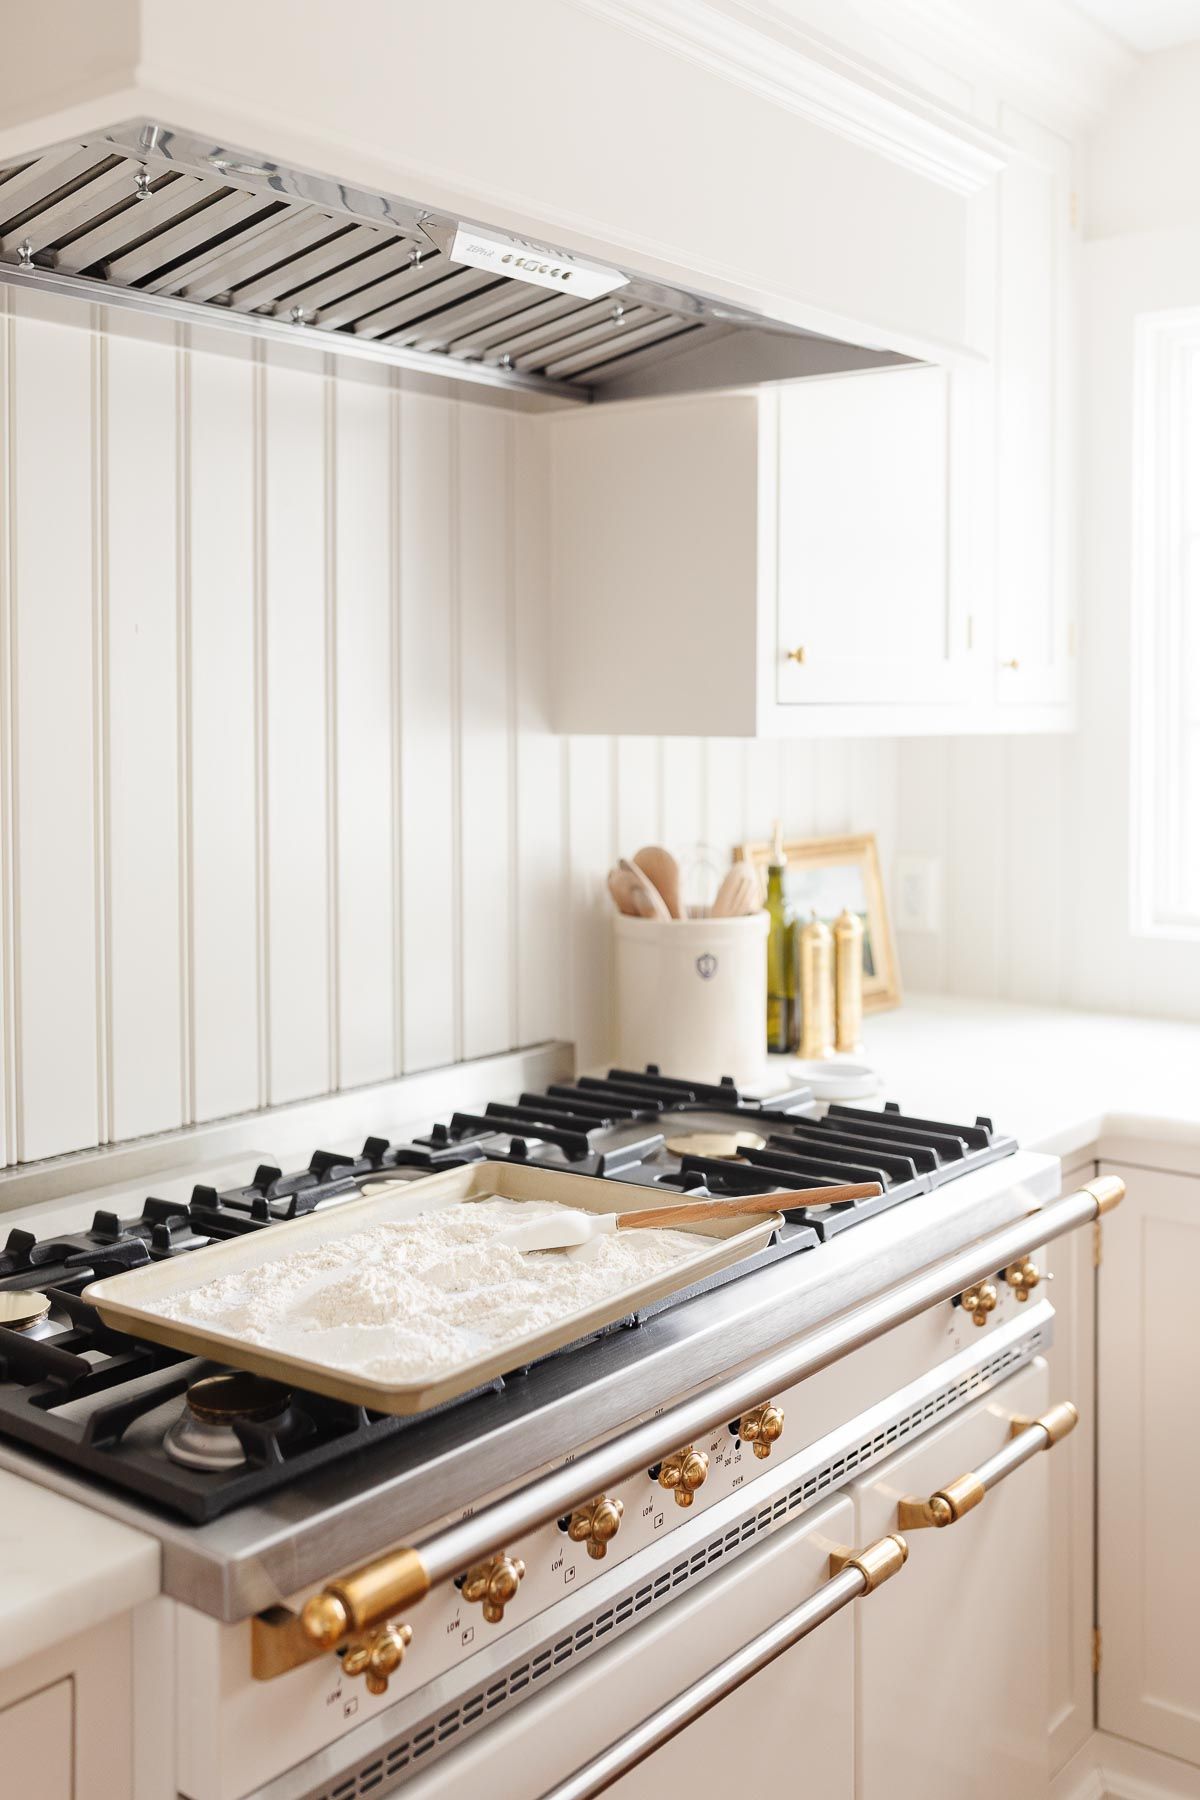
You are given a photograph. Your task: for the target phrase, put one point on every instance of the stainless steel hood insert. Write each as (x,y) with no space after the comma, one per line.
(154,218)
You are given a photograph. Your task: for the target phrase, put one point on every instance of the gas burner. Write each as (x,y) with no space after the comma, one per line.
(719,1145)
(27,1311)
(205,1436)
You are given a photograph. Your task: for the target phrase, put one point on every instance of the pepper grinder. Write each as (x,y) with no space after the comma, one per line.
(816,990)
(848,961)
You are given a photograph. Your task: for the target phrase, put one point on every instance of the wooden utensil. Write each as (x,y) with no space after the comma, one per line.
(644,896)
(626,895)
(662,869)
(739,893)
(577,1232)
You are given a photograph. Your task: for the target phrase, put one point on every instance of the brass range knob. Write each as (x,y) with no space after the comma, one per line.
(1022,1277)
(378,1656)
(683,1472)
(493,1584)
(980,1300)
(596,1524)
(762,1427)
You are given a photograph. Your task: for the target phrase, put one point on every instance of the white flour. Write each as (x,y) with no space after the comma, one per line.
(413,1298)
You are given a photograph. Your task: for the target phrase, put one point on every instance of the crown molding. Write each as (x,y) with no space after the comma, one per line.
(776,59)
(1045,53)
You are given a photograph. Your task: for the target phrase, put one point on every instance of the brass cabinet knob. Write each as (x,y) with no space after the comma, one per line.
(762,1427)
(980,1300)
(1011,663)
(493,1584)
(378,1656)
(798,655)
(683,1473)
(595,1524)
(1022,1277)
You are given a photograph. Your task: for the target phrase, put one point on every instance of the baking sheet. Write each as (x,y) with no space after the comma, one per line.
(124,1301)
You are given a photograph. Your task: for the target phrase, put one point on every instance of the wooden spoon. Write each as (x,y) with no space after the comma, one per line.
(662,869)
(569,1229)
(739,893)
(626,895)
(644,896)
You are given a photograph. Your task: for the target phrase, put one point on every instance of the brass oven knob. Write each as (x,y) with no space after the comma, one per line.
(595,1524)
(378,1656)
(494,1583)
(762,1427)
(980,1300)
(684,1472)
(1022,1277)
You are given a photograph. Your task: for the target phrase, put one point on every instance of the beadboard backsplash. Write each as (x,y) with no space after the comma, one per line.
(280,812)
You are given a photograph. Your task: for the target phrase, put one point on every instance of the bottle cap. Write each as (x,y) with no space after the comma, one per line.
(778,858)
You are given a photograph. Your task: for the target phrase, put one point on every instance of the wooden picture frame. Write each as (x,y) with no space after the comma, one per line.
(819,859)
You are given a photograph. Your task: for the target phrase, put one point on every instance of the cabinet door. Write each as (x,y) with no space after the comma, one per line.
(1035,360)
(789,1725)
(37,1744)
(864,593)
(952,1655)
(1148,1376)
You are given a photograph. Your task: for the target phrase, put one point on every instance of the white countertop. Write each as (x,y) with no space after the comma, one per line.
(1059,1081)
(64,1568)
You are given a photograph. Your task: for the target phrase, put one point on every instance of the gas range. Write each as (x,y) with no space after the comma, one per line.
(185,1436)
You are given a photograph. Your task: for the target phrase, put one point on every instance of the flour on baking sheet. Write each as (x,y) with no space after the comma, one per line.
(409,1299)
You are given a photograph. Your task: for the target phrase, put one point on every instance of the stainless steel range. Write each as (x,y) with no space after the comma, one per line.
(359,1597)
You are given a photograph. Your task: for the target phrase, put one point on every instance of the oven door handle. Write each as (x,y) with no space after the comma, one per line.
(854,1575)
(1026,1438)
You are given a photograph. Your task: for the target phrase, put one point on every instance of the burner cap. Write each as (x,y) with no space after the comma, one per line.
(203,1436)
(23,1308)
(220,1399)
(726,1145)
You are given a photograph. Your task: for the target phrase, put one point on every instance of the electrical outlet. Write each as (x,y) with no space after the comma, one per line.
(918,893)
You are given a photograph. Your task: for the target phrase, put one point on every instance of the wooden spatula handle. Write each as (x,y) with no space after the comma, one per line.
(697,1212)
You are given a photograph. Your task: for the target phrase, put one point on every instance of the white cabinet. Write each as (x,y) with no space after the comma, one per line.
(37,1744)
(1149,1464)
(1035,359)
(813,559)
(865,609)
(952,1656)
(776,561)
(65,1714)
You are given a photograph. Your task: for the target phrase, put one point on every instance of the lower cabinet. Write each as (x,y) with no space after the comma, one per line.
(65,1719)
(952,1656)
(1149,1464)
(37,1743)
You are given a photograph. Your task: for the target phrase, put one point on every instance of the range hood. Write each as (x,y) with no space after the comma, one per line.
(149,217)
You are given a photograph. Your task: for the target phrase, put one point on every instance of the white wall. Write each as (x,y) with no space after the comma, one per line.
(1035,834)
(279,812)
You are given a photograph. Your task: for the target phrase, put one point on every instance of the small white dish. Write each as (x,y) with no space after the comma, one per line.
(837,1079)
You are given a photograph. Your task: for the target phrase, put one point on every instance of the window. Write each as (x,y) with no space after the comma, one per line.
(1165,651)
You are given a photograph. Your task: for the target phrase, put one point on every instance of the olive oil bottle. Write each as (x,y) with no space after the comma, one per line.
(781,956)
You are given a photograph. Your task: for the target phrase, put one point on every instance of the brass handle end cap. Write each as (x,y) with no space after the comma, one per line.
(877,1563)
(1107,1191)
(325,1620)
